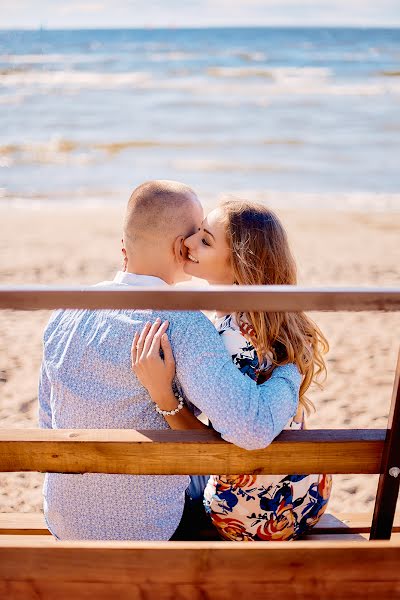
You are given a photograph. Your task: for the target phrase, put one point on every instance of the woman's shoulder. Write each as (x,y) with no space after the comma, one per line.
(228,322)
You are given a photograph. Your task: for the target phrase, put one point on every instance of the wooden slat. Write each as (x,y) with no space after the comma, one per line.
(23,524)
(40,568)
(229,298)
(344,536)
(188,452)
(337,523)
(330,524)
(348,523)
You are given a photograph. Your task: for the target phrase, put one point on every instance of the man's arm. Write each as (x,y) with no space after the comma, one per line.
(246,414)
(45,420)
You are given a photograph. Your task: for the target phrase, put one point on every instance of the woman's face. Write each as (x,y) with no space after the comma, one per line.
(208,253)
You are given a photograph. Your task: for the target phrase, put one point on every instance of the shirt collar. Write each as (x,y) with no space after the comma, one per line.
(140,280)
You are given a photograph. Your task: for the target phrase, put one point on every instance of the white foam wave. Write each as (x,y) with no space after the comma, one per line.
(280,74)
(32,59)
(223,82)
(279,84)
(173,56)
(61,151)
(56,151)
(239,72)
(73,79)
(206,165)
(38,59)
(251,56)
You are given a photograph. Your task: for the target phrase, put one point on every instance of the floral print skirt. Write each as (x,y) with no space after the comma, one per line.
(264,507)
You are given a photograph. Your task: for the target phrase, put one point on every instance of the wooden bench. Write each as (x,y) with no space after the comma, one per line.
(333,561)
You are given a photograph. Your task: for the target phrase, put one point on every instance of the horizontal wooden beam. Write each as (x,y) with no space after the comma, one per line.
(344,523)
(38,567)
(188,452)
(329,524)
(229,298)
(17,523)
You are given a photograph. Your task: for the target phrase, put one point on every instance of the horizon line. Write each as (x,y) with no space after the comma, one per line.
(201,27)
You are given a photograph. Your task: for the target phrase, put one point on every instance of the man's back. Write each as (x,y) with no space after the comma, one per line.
(87,383)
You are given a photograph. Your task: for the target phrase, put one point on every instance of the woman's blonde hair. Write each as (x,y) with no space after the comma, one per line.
(260,255)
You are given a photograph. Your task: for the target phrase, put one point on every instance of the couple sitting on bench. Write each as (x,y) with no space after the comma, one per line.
(143,369)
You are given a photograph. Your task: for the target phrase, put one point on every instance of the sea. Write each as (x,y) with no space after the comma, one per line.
(294,117)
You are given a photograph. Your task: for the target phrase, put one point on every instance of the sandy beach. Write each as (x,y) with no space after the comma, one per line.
(62,245)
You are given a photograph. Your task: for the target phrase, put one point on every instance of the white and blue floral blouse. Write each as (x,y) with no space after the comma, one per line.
(262,507)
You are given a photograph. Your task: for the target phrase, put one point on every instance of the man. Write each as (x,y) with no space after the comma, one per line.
(86,381)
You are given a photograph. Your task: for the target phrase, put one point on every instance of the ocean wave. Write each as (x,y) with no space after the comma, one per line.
(389,73)
(33,59)
(282,142)
(209,165)
(276,73)
(70,58)
(279,84)
(214,84)
(73,79)
(68,151)
(173,56)
(60,150)
(65,145)
(301,81)
(239,72)
(248,56)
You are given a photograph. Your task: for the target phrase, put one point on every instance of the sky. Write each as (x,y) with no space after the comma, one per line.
(60,14)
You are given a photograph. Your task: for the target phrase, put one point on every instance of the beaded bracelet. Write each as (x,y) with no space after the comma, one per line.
(171,413)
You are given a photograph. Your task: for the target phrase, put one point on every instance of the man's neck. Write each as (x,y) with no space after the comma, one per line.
(153,271)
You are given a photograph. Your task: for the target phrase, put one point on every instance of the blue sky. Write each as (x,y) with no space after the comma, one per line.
(180,13)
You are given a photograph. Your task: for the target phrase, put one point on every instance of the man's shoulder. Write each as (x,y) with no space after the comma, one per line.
(192,330)
(188,319)
(58,318)
(61,315)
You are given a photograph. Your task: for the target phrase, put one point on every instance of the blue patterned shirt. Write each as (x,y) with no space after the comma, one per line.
(86,382)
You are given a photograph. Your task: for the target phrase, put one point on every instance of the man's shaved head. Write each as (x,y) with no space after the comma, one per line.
(159,211)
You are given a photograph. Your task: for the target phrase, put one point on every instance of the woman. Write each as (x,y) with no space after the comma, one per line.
(244,243)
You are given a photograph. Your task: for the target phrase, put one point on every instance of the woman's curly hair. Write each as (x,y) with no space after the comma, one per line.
(260,255)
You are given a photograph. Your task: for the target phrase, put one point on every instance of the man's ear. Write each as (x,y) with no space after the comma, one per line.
(125,257)
(178,249)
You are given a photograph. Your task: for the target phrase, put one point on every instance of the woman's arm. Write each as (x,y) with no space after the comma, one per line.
(244,413)
(156,374)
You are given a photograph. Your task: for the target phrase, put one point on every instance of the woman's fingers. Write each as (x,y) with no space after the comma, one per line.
(133,349)
(167,351)
(148,341)
(141,340)
(150,336)
(156,343)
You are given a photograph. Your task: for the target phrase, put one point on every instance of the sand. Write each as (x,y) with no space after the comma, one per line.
(63,245)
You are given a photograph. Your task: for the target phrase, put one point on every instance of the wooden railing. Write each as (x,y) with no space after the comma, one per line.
(188,452)
(230,298)
(172,452)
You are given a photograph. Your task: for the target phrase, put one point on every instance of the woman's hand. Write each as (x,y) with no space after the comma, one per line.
(154,373)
